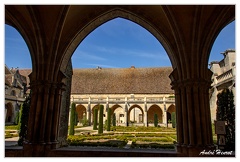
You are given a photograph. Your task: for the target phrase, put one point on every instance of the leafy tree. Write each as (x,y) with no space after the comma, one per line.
(109,119)
(72,119)
(24,119)
(100,127)
(226,112)
(173,119)
(155,120)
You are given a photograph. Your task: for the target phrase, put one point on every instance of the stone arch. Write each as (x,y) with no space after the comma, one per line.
(119,112)
(81,112)
(92,112)
(188,42)
(170,110)
(107,16)
(155,109)
(137,115)
(9,112)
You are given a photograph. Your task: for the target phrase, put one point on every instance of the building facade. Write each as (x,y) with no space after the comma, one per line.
(224,74)
(15,92)
(133,94)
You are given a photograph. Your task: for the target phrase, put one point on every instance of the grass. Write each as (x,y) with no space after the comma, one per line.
(11,127)
(141,137)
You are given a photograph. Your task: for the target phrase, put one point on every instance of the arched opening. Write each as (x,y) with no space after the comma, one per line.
(155,109)
(184,129)
(18,64)
(119,113)
(135,115)
(92,114)
(81,113)
(222,63)
(92,53)
(170,110)
(9,112)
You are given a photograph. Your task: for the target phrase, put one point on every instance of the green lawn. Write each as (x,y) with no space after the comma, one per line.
(141,137)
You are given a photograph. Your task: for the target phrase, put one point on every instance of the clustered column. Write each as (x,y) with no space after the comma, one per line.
(194,132)
(43,117)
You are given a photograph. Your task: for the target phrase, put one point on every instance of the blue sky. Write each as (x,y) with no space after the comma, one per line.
(119,43)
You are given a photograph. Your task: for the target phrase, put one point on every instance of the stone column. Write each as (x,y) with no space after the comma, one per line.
(145,115)
(88,113)
(65,106)
(43,123)
(194,132)
(126,115)
(165,112)
(165,115)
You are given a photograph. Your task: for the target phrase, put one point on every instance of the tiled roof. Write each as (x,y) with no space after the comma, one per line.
(121,81)
(118,80)
(25,72)
(8,79)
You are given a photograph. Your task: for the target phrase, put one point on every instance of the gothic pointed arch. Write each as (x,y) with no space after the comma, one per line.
(116,12)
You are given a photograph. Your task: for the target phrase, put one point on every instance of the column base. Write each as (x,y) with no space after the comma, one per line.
(38,149)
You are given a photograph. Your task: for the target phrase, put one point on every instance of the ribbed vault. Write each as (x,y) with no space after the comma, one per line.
(53,32)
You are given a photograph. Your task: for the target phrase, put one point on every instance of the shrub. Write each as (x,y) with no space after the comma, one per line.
(84,121)
(155,120)
(100,127)
(24,120)
(114,120)
(72,119)
(173,120)
(226,112)
(108,119)
(16,120)
(95,116)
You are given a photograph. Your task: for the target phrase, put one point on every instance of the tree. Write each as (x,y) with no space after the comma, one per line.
(24,119)
(173,116)
(114,120)
(95,117)
(72,119)
(20,116)
(76,119)
(16,120)
(155,120)
(100,127)
(109,119)
(226,112)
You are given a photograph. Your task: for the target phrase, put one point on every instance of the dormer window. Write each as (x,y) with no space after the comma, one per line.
(13,93)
